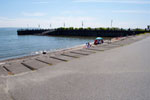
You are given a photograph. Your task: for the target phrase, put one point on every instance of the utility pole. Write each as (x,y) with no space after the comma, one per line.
(27,25)
(50,26)
(64,24)
(39,26)
(82,24)
(111,23)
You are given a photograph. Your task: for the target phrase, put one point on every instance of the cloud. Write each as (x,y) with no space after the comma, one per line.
(115,1)
(132,11)
(34,14)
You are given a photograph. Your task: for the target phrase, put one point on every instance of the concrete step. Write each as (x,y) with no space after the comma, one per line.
(17,68)
(110,46)
(73,55)
(61,58)
(35,64)
(48,60)
(97,49)
(80,52)
(124,42)
(3,72)
(89,51)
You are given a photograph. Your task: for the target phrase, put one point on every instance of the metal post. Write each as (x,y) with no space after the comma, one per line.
(82,24)
(50,25)
(27,25)
(111,23)
(39,26)
(64,25)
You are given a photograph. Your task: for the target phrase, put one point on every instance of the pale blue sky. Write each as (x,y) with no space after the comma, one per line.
(94,13)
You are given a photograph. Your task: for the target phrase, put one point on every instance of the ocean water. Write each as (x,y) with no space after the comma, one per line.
(13,46)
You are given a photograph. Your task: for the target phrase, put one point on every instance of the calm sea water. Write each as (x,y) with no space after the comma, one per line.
(12,45)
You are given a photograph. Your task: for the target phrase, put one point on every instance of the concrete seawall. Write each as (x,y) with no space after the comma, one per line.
(80,32)
(118,70)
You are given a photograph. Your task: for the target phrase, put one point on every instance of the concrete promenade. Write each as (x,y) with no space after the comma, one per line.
(117,71)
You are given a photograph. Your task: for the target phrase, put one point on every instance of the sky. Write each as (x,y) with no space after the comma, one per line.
(71,13)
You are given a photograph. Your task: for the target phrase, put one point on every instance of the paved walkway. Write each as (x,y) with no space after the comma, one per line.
(121,73)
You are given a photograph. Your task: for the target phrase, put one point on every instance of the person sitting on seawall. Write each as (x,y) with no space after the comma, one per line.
(88,45)
(95,42)
(102,41)
(99,41)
